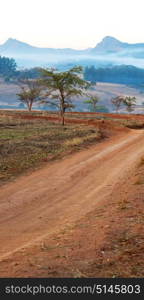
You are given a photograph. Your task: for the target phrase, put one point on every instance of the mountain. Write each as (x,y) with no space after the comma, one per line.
(28,56)
(111,45)
(107,45)
(14,46)
(110,51)
(17,47)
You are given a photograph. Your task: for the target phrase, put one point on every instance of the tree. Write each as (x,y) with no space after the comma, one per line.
(7,67)
(30,93)
(102,108)
(62,87)
(32,73)
(21,106)
(117,102)
(130,103)
(116,74)
(93,100)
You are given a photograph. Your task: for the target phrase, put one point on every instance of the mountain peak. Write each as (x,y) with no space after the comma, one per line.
(11,41)
(14,42)
(110,38)
(109,44)
(13,45)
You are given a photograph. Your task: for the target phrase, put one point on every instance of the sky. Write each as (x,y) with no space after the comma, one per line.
(77,24)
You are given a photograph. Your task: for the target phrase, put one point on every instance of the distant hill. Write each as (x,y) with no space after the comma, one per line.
(13,46)
(122,74)
(109,51)
(112,45)
(109,45)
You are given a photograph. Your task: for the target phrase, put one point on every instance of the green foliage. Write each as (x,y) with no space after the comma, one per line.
(7,67)
(116,74)
(93,107)
(117,102)
(130,103)
(30,93)
(21,106)
(102,108)
(8,70)
(92,101)
(63,86)
(33,73)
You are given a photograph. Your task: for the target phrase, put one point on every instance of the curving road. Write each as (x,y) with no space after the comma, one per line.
(48,199)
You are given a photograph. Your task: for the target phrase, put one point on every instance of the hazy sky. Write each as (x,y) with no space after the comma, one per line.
(77,24)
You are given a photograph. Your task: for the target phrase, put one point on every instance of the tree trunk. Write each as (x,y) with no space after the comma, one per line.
(30,106)
(62,116)
(62,109)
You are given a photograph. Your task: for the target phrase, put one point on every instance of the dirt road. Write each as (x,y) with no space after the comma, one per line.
(49,199)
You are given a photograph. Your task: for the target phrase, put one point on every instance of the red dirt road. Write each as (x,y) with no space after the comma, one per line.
(45,201)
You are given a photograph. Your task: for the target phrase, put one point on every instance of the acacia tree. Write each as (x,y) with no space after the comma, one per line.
(30,92)
(130,103)
(93,100)
(62,87)
(117,102)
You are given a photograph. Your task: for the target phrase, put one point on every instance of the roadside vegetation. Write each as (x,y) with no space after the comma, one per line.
(27,144)
(29,140)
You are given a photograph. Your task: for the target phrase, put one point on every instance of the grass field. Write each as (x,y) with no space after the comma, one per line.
(27,144)
(101,213)
(134,121)
(29,140)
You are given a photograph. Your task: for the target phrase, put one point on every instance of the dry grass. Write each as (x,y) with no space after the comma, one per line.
(28,144)
(78,140)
